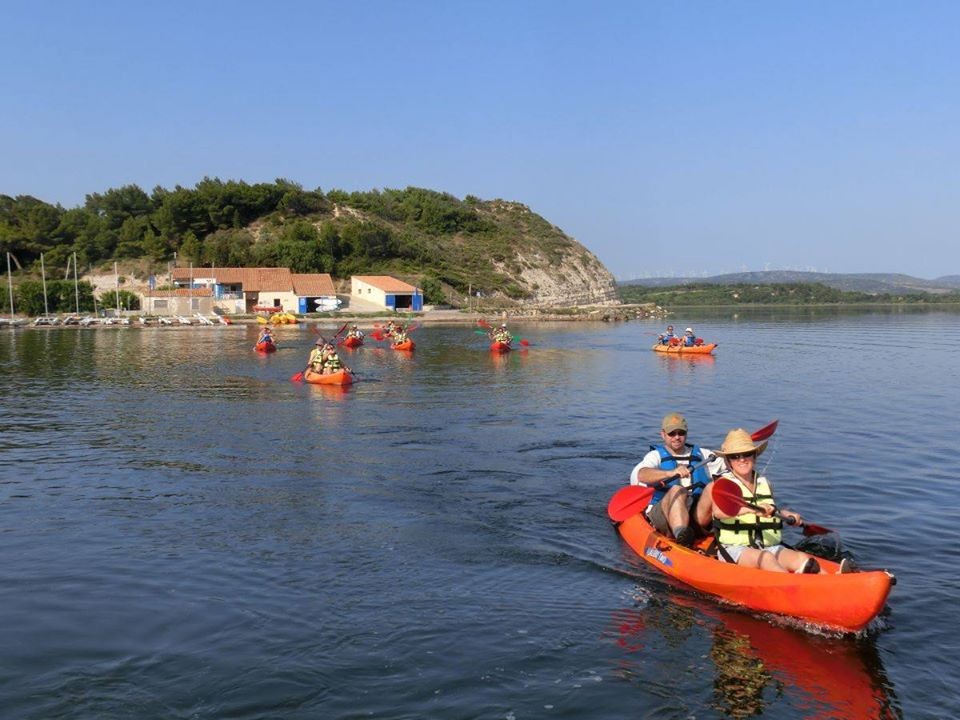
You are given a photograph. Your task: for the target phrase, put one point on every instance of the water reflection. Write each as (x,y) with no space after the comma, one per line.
(759,666)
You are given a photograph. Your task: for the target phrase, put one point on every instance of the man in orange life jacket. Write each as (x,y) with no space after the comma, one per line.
(672,510)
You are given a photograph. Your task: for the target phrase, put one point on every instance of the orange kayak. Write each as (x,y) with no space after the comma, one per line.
(840,602)
(265,347)
(341,377)
(499,347)
(704,349)
(352,342)
(405,345)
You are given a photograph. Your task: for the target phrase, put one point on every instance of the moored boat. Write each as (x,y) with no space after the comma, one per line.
(845,602)
(265,347)
(705,349)
(499,347)
(405,345)
(341,377)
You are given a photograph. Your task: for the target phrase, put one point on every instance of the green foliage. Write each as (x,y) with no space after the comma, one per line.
(128,300)
(228,248)
(432,289)
(61,297)
(699,295)
(410,232)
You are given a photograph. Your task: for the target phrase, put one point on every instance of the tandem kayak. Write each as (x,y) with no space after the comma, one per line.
(840,602)
(265,347)
(352,342)
(705,349)
(341,377)
(499,347)
(405,345)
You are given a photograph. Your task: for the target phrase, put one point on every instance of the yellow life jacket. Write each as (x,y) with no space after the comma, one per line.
(750,529)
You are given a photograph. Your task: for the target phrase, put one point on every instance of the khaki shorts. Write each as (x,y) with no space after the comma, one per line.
(658,517)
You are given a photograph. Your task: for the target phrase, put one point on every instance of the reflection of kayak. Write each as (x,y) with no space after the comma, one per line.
(843,602)
(704,349)
(352,342)
(265,347)
(341,377)
(499,347)
(405,345)
(845,679)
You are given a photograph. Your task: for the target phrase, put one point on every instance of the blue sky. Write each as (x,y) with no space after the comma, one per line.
(684,138)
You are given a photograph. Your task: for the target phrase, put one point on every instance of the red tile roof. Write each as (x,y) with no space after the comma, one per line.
(313,284)
(180,292)
(386,283)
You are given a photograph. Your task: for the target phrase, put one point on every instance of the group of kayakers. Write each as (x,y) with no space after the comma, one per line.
(684,477)
(500,334)
(265,335)
(354,332)
(324,359)
(688,339)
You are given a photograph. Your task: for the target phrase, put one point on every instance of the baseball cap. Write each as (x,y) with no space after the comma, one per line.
(673,421)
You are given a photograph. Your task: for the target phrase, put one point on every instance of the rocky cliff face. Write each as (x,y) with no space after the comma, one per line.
(551,267)
(578,279)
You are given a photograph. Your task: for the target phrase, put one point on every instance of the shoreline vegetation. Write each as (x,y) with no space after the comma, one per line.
(774,295)
(637,303)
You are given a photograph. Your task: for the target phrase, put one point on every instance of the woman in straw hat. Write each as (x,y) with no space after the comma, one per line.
(752,538)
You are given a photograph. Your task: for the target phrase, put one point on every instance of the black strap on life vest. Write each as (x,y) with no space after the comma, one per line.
(754,530)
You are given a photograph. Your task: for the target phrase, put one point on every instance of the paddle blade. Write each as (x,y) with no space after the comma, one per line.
(727,496)
(483,324)
(765,432)
(525,342)
(297,378)
(811,529)
(480,332)
(628,501)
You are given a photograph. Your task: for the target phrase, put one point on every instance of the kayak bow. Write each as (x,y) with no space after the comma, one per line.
(842,602)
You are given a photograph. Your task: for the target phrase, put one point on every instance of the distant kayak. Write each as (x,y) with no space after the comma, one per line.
(842,602)
(499,347)
(352,342)
(405,345)
(265,347)
(341,377)
(704,349)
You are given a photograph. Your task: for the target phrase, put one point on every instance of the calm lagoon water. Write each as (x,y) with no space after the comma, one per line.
(184,533)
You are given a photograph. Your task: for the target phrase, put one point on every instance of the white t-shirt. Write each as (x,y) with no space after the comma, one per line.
(652,460)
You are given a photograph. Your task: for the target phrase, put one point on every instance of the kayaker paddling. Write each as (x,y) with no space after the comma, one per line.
(678,471)
(751,535)
(668,337)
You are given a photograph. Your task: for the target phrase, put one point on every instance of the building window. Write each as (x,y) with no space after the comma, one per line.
(194,303)
(159,304)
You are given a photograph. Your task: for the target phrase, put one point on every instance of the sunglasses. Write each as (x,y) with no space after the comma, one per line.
(675,433)
(742,456)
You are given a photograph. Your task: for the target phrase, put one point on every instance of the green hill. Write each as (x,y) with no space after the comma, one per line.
(446,245)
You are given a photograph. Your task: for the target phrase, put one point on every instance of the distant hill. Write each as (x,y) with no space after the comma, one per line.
(949,280)
(451,248)
(893,283)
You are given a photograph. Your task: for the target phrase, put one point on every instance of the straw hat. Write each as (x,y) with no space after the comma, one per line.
(739,441)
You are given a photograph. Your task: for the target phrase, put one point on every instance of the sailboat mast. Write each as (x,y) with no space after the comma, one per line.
(43,275)
(76,286)
(10,286)
(116,277)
